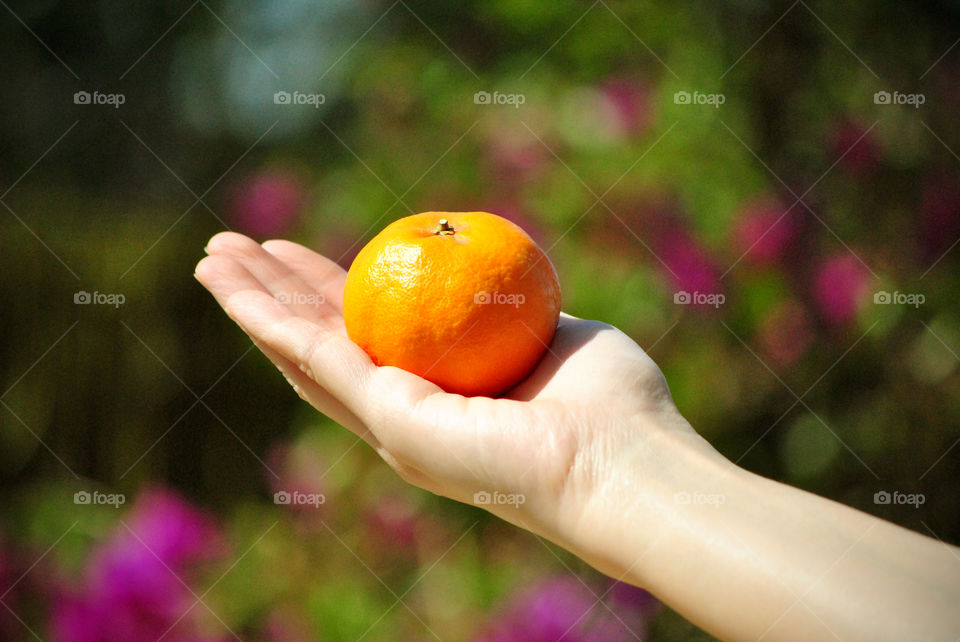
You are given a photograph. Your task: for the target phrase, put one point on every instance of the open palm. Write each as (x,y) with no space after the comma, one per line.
(547,439)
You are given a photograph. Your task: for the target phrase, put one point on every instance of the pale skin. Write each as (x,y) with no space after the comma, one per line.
(594,442)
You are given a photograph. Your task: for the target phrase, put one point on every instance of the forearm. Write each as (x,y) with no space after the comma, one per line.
(746,558)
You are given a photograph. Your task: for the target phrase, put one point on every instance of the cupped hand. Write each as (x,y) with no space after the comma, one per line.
(552,439)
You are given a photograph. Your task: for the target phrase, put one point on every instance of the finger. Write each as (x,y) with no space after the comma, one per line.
(276,278)
(417,425)
(308,391)
(384,399)
(325,355)
(224,276)
(413,419)
(316,270)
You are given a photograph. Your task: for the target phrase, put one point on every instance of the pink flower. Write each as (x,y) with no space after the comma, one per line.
(630,102)
(301,470)
(394,521)
(28,580)
(516,160)
(514,156)
(10,629)
(653,231)
(634,597)
(266,204)
(563,609)
(687,263)
(839,286)
(858,147)
(557,609)
(133,586)
(939,217)
(766,231)
(300,489)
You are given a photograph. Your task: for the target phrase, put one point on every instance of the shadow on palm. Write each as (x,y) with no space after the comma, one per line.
(590,362)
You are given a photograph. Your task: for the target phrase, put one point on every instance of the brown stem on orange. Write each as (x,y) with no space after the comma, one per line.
(444,228)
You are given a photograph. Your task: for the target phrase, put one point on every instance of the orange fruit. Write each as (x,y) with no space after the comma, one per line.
(464,299)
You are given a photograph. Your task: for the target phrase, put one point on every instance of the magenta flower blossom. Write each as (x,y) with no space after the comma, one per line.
(630,102)
(28,579)
(515,159)
(857,145)
(394,521)
(633,597)
(655,232)
(266,204)
(300,485)
(766,231)
(562,609)
(134,586)
(939,217)
(839,287)
(9,627)
(688,265)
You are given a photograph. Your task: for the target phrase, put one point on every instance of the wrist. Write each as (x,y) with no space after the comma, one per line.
(658,467)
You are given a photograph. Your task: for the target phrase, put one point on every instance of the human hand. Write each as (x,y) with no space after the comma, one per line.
(594,443)
(555,438)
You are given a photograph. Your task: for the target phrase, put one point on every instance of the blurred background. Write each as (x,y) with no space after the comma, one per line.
(764,195)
